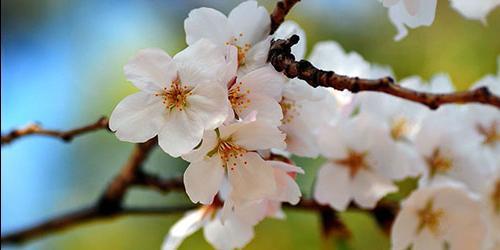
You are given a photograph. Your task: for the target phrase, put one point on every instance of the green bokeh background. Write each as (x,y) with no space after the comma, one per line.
(42,177)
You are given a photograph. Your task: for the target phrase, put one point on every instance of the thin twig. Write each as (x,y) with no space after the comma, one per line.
(280,11)
(281,58)
(36,129)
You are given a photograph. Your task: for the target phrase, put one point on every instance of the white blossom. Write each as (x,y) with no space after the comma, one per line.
(447,151)
(432,218)
(360,163)
(180,97)
(491,205)
(232,149)
(246,27)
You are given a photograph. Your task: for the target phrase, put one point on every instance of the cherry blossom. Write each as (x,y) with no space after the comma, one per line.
(231,149)
(438,216)
(360,163)
(180,97)
(491,204)
(235,229)
(448,152)
(246,27)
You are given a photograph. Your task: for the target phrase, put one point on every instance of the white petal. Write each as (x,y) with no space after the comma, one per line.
(207,23)
(368,188)
(264,81)
(251,21)
(404,230)
(203,179)
(230,235)
(268,109)
(427,241)
(137,118)
(201,62)
(186,226)
(333,187)
(287,188)
(401,17)
(477,10)
(259,135)
(286,30)
(180,134)
(256,57)
(253,180)
(209,142)
(209,103)
(289,168)
(150,70)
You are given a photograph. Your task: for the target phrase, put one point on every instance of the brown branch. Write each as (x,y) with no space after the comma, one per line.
(280,11)
(281,58)
(36,129)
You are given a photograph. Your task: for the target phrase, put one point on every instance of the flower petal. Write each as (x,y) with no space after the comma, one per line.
(256,57)
(251,178)
(180,134)
(268,109)
(333,187)
(251,21)
(208,143)
(228,235)
(209,103)
(186,226)
(203,179)
(207,23)
(264,81)
(368,188)
(404,230)
(259,135)
(150,70)
(137,118)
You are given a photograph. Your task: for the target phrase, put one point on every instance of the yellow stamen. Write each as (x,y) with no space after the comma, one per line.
(430,218)
(354,161)
(438,163)
(175,97)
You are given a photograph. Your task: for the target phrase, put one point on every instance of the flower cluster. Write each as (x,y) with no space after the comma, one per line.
(220,106)
(416,13)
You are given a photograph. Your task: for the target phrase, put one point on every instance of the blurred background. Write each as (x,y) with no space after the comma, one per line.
(61,65)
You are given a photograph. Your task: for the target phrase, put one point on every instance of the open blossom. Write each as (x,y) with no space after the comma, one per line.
(410,13)
(235,229)
(180,97)
(491,203)
(257,91)
(448,153)
(439,216)
(232,149)
(246,27)
(361,163)
(305,110)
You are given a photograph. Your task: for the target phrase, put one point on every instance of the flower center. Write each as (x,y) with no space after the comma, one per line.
(400,128)
(175,97)
(496,197)
(289,109)
(227,149)
(430,218)
(242,49)
(490,134)
(354,161)
(238,98)
(438,163)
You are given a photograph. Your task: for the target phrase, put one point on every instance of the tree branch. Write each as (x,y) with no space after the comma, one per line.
(280,11)
(281,58)
(36,129)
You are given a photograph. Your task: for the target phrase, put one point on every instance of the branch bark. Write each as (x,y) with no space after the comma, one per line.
(67,136)
(280,11)
(282,59)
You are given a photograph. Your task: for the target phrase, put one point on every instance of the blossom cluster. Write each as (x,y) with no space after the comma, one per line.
(220,106)
(416,13)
